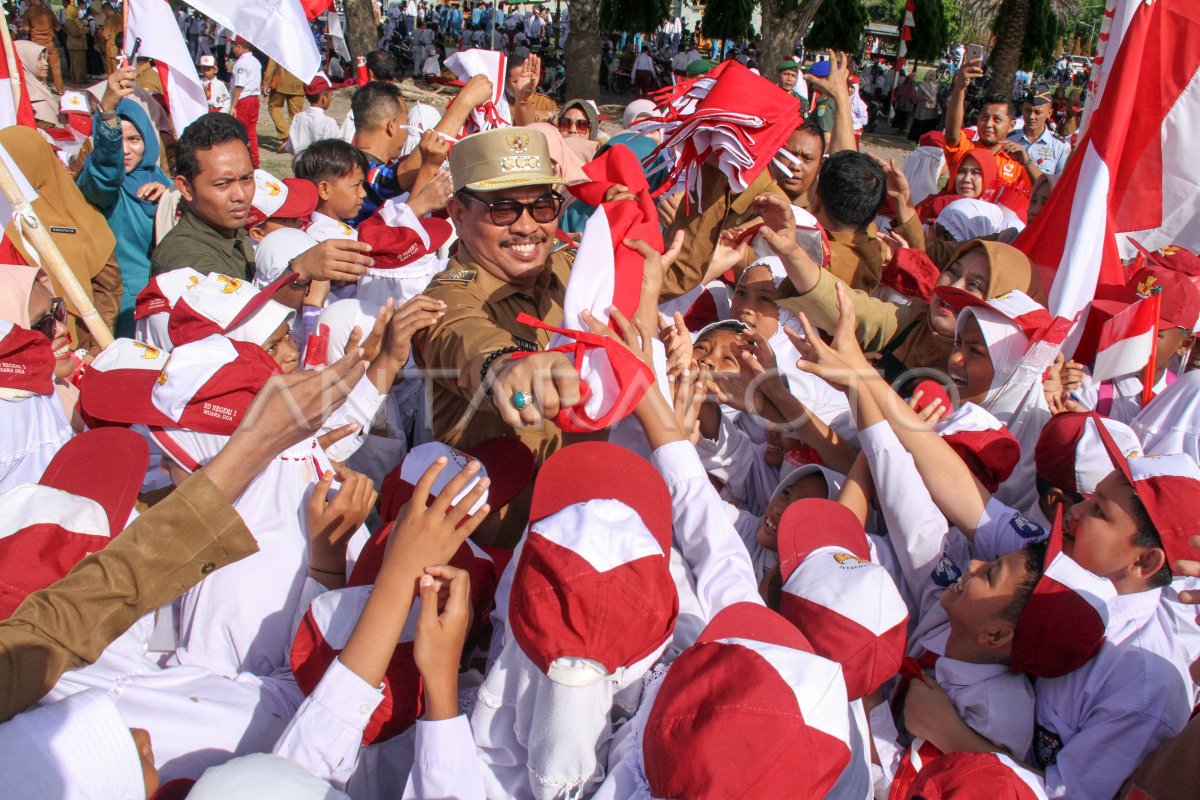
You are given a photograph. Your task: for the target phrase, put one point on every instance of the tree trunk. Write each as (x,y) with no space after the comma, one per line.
(783,23)
(361,34)
(583,50)
(1010,39)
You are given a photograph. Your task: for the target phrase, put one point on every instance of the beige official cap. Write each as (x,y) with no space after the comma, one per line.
(502,158)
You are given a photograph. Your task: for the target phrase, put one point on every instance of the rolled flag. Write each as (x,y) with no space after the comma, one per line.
(279,28)
(152,22)
(495,113)
(606,273)
(741,118)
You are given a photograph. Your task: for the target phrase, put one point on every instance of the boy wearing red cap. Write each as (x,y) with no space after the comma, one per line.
(313,124)
(1095,724)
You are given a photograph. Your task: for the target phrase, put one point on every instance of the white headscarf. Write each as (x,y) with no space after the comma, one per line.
(262,776)
(968,218)
(76,749)
(923,168)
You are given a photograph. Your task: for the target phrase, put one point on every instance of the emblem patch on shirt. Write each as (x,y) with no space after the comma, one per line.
(946,573)
(1046,744)
(1025,528)
(849,561)
(457,276)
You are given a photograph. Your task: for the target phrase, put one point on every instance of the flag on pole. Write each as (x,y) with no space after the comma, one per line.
(315,8)
(1132,172)
(153,22)
(279,28)
(906,28)
(1126,339)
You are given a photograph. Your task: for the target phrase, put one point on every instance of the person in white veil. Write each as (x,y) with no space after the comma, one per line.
(421,117)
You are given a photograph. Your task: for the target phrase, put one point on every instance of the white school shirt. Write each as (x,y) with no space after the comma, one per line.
(740,463)
(310,125)
(445,766)
(247,74)
(325,227)
(218,95)
(993,701)
(34,428)
(1098,723)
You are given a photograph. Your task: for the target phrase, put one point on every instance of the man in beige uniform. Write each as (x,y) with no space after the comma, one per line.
(505,209)
(286,91)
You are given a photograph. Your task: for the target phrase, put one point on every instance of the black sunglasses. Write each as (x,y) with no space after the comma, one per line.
(566,124)
(47,324)
(506,212)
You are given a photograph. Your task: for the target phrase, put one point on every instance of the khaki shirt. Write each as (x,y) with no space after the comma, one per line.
(287,83)
(481,318)
(858,257)
(68,624)
(719,208)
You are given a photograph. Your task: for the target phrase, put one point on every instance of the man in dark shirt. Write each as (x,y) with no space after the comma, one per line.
(216,179)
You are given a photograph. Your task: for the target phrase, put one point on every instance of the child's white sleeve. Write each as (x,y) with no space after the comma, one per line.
(916,528)
(325,734)
(360,409)
(703,533)
(740,463)
(445,766)
(1002,529)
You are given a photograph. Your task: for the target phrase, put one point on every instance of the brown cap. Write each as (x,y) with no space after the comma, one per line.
(502,158)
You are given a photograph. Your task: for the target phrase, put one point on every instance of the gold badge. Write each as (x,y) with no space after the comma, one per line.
(844,558)
(148,351)
(1146,286)
(457,275)
(273,188)
(1169,250)
(230,285)
(518,142)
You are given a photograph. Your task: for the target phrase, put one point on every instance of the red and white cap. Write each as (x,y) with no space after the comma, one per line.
(1071,455)
(274,198)
(593,577)
(330,620)
(26,360)
(399,237)
(205,386)
(220,304)
(1029,316)
(747,711)
(74,103)
(152,309)
(976,776)
(505,460)
(1179,305)
(207,61)
(847,607)
(1063,624)
(83,499)
(1169,488)
(982,442)
(319,83)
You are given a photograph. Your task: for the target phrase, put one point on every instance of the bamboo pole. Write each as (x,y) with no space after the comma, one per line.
(40,239)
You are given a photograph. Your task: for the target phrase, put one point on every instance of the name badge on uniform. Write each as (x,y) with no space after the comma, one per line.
(61,229)
(457,276)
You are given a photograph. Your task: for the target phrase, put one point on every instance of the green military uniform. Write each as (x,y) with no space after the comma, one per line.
(195,244)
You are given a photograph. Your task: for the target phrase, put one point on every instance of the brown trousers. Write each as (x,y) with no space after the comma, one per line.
(275,107)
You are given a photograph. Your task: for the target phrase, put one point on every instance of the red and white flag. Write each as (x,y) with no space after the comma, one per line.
(14,100)
(495,113)
(153,22)
(1133,172)
(1118,338)
(277,27)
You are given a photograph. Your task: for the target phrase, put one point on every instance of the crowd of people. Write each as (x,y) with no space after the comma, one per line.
(493,454)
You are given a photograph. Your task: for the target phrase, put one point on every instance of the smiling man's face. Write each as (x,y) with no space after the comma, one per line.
(515,253)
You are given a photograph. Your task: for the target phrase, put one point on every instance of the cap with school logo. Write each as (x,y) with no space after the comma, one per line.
(503,158)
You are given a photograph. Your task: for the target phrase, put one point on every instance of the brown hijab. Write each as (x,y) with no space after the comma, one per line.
(79,230)
(1009,270)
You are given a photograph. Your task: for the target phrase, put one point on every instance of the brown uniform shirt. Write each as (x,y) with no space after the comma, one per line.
(481,317)
(858,257)
(719,208)
(287,83)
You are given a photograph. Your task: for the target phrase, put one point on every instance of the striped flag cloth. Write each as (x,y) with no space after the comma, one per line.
(153,22)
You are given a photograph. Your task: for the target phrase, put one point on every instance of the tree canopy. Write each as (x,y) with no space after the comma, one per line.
(728,19)
(838,26)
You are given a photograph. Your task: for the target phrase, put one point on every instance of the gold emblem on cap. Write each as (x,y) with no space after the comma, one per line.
(520,163)
(843,558)
(1169,250)
(1146,287)
(230,286)
(518,142)
(273,188)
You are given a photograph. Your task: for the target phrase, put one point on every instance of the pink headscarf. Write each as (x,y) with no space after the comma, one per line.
(567,165)
(16,287)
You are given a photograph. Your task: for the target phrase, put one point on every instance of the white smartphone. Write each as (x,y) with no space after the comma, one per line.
(973,52)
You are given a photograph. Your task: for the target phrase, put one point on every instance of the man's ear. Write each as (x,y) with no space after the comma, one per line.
(184,186)
(455,208)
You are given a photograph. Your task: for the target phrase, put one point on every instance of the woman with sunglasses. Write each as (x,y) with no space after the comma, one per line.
(579,118)
(34,425)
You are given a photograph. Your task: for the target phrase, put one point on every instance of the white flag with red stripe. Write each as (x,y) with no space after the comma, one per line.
(495,113)
(277,27)
(153,22)
(1133,172)
(1126,341)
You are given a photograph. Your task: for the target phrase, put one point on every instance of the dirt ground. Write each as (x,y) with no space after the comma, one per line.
(884,144)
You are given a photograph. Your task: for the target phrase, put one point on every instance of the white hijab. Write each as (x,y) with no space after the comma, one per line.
(967,218)
(1171,422)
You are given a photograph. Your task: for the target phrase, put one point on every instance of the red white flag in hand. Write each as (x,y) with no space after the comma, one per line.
(1125,338)
(153,23)
(1132,172)
(14,100)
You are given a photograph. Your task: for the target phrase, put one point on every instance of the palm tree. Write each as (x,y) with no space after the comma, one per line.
(1012,19)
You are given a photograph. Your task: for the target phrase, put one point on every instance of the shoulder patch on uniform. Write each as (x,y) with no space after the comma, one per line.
(456,276)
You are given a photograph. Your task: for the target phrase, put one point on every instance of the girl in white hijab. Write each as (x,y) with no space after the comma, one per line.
(968,218)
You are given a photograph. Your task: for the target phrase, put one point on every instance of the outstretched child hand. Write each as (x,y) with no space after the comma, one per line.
(331,523)
(840,363)
(441,632)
